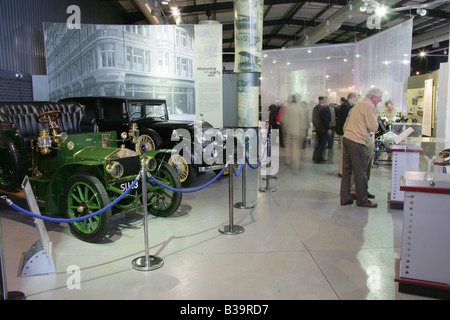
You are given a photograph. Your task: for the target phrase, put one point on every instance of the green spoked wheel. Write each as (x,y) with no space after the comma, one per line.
(9,164)
(161,201)
(85,194)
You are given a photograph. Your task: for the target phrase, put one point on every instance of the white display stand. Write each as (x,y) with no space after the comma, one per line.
(38,259)
(404,158)
(425,262)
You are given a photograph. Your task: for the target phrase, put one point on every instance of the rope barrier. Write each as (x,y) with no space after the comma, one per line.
(237,174)
(57,220)
(260,161)
(188,190)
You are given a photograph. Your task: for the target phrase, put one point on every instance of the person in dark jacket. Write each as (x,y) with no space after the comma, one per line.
(348,103)
(273,111)
(321,122)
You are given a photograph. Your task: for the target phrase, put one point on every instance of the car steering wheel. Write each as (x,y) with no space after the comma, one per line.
(49,119)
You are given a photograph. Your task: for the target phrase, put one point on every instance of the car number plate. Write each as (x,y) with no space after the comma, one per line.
(125,185)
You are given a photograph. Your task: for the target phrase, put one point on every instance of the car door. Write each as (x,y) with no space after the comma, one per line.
(113,115)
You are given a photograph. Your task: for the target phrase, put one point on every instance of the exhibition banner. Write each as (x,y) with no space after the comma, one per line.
(248,99)
(208,73)
(140,61)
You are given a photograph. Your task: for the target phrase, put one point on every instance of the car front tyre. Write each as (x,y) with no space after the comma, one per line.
(84,194)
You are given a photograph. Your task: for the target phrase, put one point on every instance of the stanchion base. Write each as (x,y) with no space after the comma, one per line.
(15,295)
(271,178)
(231,229)
(244,205)
(153,263)
(270,189)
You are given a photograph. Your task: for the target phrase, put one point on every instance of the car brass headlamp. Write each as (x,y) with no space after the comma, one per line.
(150,163)
(114,169)
(44,141)
(134,132)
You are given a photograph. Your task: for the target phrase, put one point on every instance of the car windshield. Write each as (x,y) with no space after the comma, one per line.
(144,109)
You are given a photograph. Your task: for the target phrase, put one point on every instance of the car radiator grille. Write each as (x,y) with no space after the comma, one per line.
(131,165)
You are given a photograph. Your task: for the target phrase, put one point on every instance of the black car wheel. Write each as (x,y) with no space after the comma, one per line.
(147,141)
(186,172)
(161,201)
(9,164)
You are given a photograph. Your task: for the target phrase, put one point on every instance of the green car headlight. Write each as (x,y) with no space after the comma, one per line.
(114,169)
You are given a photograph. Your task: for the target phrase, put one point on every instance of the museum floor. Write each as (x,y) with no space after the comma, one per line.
(298,243)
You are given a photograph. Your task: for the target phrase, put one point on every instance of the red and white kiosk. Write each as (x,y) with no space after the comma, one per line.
(424,266)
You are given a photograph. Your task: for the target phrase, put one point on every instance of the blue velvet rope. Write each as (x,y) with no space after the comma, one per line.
(57,220)
(188,190)
(260,161)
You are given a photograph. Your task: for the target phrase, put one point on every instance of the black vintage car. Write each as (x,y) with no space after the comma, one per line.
(156,131)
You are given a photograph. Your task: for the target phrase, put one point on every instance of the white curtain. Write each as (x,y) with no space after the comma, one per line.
(381,61)
(384,62)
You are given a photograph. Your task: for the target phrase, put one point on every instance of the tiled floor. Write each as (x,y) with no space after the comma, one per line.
(298,243)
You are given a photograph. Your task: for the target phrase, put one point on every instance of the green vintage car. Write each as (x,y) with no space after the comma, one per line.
(74,170)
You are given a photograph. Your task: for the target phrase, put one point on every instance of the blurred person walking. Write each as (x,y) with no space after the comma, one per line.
(295,125)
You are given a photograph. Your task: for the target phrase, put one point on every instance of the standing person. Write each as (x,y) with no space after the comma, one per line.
(391,111)
(347,104)
(307,114)
(295,126)
(279,120)
(361,124)
(321,121)
(273,111)
(332,107)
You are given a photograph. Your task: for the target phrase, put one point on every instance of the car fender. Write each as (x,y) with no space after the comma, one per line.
(153,134)
(54,200)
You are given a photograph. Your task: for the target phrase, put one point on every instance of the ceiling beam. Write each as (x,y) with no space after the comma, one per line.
(329,25)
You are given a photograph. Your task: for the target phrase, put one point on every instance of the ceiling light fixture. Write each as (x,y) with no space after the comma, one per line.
(381,10)
(327,27)
(363,8)
(435,43)
(350,11)
(421,12)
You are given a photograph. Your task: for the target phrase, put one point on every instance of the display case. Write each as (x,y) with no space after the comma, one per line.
(425,262)
(424,265)
(399,127)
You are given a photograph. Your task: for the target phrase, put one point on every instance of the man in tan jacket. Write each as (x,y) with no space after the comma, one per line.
(361,124)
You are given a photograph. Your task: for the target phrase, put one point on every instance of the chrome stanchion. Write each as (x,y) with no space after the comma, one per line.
(231,228)
(268,176)
(244,204)
(5,295)
(146,262)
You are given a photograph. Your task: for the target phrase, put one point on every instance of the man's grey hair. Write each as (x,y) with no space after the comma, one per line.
(352,95)
(374,92)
